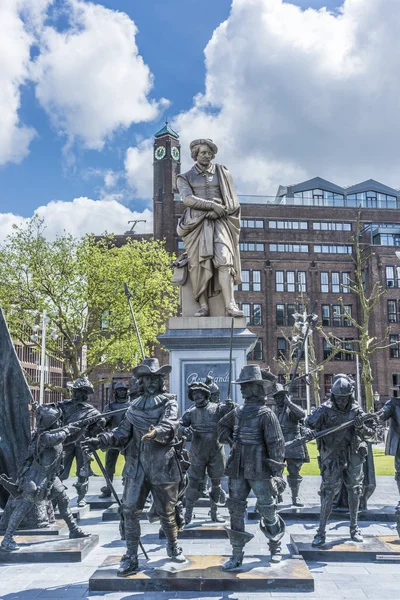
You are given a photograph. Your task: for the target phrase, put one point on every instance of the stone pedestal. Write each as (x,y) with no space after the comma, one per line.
(199,346)
(199,532)
(203,574)
(35,549)
(338,548)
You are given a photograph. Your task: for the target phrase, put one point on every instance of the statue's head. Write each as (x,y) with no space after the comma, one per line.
(203,151)
(199,393)
(121,391)
(81,388)
(342,392)
(151,376)
(48,416)
(252,384)
(279,395)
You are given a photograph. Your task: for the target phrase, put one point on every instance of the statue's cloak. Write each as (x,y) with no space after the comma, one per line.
(15,397)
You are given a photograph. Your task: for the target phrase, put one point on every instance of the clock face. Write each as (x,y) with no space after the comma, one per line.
(159,152)
(175,153)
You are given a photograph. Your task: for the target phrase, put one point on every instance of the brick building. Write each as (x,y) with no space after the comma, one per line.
(300,241)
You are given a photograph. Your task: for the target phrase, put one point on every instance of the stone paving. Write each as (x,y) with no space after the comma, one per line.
(333,581)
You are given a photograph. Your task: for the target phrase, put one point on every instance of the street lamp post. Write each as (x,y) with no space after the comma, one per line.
(42,361)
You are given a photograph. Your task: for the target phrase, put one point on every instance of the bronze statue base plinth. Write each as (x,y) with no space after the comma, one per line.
(203,573)
(376,514)
(97,503)
(200,532)
(112,514)
(50,549)
(57,528)
(384,548)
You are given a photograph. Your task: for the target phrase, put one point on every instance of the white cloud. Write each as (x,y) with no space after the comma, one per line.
(15,44)
(291,94)
(91,80)
(81,216)
(139,168)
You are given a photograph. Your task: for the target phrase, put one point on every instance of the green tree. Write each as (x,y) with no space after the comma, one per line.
(80,285)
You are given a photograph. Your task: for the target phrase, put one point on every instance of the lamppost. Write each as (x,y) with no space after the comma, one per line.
(305,322)
(45,320)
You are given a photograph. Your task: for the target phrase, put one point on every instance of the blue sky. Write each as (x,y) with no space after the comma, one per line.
(299,78)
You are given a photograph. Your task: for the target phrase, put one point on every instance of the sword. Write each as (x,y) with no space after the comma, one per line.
(114,493)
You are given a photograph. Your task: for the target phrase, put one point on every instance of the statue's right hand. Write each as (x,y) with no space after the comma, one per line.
(90,444)
(220,210)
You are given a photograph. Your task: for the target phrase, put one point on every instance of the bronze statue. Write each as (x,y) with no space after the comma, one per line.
(207,454)
(75,409)
(149,434)
(210,227)
(342,453)
(38,477)
(255,463)
(121,400)
(391,413)
(290,415)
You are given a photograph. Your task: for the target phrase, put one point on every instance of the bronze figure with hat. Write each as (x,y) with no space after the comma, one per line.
(255,464)
(148,433)
(207,455)
(210,228)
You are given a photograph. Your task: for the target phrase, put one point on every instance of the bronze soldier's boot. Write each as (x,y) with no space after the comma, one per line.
(273,527)
(354,502)
(129,562)
(238,540)
(82,487)
(294,484)
(326,509)
(170,528)
(75,532)
(21,510)
(188,513)
(105,492)
(203,488)
(215,498)
(216,517)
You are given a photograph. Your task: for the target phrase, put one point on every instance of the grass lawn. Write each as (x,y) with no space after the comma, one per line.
(384,465)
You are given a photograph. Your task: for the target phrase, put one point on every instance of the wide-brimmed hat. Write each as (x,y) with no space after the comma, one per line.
(151,366)
(82,383)
(121,385)
(250,374)
(278,389)
(206,141)
(198,385)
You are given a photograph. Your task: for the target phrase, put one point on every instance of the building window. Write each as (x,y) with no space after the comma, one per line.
(333,248)
(328,380)
(288,248)
(290,281)
(327,350)
(105,319)
(288,224)
(281,348)
(251,247)
(395,385)
(251,281)
(280,314)
(252,313)
(251,224)
(326,315)
(257,353)
(394,351)
(180,245)
(392,276)
(331,226)
(336,315)
(284,314)
(347,315)
(335,281)
(345,356)
(392,311)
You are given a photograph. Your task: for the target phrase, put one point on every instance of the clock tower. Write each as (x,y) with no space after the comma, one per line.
(166,167)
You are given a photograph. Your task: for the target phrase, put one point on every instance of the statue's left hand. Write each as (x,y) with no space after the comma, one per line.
(150,434)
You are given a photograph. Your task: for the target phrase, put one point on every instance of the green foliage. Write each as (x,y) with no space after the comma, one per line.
(80,285)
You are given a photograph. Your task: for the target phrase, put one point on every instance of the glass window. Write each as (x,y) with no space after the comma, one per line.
(272,224)
(291,309)
(392,311)
(280,314)
(290,281)
(251,247)
(256,281)
(324,282)
(345,282)
(394,350)
(301,279)
(326,315)
(336,315)
(246,312)
(335,278)
(389,277)
(257,314)
(347,312)
(245,281)
(251,224)
(327,349)
(258,350)
(180,245)
(279,281)
(281,347)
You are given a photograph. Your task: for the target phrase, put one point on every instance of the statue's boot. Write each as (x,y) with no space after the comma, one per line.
(21,510)
(215,499)
(179,515)
(170,528)
(105,492)
(294,484)
(203,489)
(129,562)
(273,527)
(326,509)
(82,487)
(238,540)
(75,532)
(203,311)
(216,517)
(226,282)
(354,503)
(188,513)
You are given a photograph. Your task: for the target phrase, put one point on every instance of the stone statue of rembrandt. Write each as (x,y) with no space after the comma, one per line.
(210,227)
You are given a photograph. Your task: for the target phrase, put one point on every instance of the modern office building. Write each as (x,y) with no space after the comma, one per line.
(299,243)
